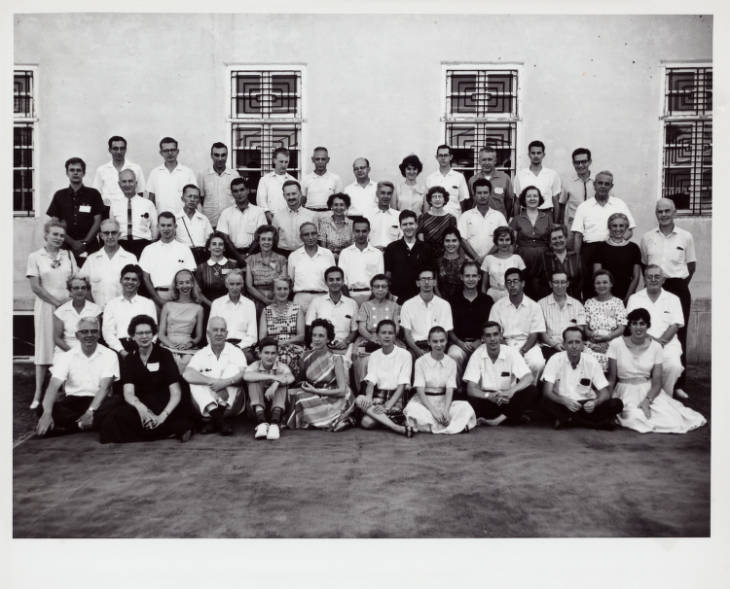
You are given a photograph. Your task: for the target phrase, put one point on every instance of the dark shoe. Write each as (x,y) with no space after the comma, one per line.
(608,426)
(207,428)
(558,424)
(225,428)
(186,435)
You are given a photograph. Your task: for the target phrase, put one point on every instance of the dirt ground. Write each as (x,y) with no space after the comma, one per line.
(527,481)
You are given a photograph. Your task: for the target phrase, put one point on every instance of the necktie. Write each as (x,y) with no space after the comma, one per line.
(585,189)
(129,219)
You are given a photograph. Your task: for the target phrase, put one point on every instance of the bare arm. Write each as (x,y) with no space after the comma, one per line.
(691,268)
(199,331)
(411,343)
(253,291)
(634,283)
(151,289)
(42,293)
(58,338)
(577,241)
(529,342)
(162,332)
(94,228)
(45,423)
(550,392)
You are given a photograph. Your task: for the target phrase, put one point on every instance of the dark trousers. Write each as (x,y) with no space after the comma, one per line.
(680,287)
(587,252)
(602,414)
(520,402)
(134,246)
(67,410)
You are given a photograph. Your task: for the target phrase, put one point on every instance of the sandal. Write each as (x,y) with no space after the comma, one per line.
(409,431)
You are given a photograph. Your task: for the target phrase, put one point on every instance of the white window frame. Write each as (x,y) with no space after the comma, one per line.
(664,118)
(446,119)
(300,119)
(33,120)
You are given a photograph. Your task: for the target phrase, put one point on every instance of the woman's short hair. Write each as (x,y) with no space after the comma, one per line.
(73,277)
(638,314)
(379,277)
(53,222)
(437,190)
(435,329)
(383,322)
(603,272)
(503,230)
(141,320)
(342,196)
(260,230)
(226,242)
(523,194)
(410,160)
(452,231)
(194,291)
(618,216)
(326,324)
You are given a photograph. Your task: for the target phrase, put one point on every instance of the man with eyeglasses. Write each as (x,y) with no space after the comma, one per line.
(665,311)
(577,187)
(102,268)
(560,311)
(86,373)
(362,192)
(166,182)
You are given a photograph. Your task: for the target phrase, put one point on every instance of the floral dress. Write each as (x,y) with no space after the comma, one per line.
(603,317)
(449,275)
(282,325)
(332,237)
(264,272)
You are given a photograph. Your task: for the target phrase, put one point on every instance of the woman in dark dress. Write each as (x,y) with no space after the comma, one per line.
(559,259)
(211,274)
(449,265)
(433,225)
(620,257)
(152,408)
(532,228)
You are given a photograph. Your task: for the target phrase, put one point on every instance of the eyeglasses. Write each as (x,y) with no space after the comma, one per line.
(516,281)
(88,331)
(580,162)
(110,232)
(168,150)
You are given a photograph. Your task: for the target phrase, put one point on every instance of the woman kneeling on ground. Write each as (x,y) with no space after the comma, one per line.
(389,373)
(433,408)
(267,380)
(323,399)
(152,407)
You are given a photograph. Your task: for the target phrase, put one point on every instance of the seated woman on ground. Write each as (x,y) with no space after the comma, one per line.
(284,321)
(389,374)
(181,319)
(433,408)
(268,379)
(323,399)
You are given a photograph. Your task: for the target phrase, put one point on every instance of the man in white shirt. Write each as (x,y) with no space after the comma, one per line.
(360,261)
(673,249)
(119,311)
(521,320)
(578,187)
(215,375)
(240,221)
(340,310)
(306,267)
(575,390)
(137,216)
(362,190)
(102,268)
(559,311)
(269,194)
(239,314)
(289,219)
(320,183)
(477,225)
(86,372)
(453,181)
(498,381)
(665,310)
(106,178)
(590,224)
(161,260)
(546,180)
(384,222)
(215,184)
(193,227)
(165,182)
(422,312)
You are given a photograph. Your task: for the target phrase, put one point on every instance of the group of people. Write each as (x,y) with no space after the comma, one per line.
(415,307)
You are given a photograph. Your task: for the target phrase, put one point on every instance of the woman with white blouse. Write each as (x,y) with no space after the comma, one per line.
(66,317)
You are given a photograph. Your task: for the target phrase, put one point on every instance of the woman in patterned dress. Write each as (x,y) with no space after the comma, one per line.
(211,274)
(335,228)
(181,319)
(433,224)
(48,270)
(532,228)
(323,399)
(263,265)
(284,321)
(410,192)
(495,265)
(605,318)
(449,265)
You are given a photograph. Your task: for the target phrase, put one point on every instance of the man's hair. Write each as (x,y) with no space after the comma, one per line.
(423,269)
(75,160)
(232,273)
(320,148)
(237,181)
(513,270)
(536,143)
(482,182)
(488,149)
(366,160)
(333,269)
(384,322)
(653,267)
(191,186)
(89,319)
(280,150)
(131,172)
(559,227)
(361,220)
(559,271)
(216,318)
(468,263)
(218,145)
(168,140)
(312,223)
(167,215)
(581,151)
(110,220)
(132,268)
(488,324)
(114,138)
(385,183)
(291,183)
(605,173)
(73,277)
(574,328)
(268,341)
(141,320)
(407,214)
(444,146)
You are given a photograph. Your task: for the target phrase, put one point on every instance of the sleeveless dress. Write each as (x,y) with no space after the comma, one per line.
(283,326)
(668,416)
(181,321)
(603,317)
(495,267)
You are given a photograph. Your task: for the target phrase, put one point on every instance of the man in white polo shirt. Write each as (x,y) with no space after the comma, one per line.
(165,182)
(360,261)
(240,221)
(362,190)
(453,181)
(477,225)
(269,195)
(290,218)
(384,220)
(239,313)
(193,227)
(215,184)
(161,260)
(86,372)
(306,267)
(106,178)
(545,179)
(320,183)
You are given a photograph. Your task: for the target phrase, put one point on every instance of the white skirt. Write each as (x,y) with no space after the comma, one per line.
(668,416)
(461,416)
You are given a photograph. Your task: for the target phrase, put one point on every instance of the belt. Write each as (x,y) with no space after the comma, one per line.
(311,292)
(360,289)
(318,210)
(162,288)
(433,393)
(637,380)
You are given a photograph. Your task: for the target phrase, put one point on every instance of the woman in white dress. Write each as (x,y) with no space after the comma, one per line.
(635,374)
(433,408)
(66,317)
(495,265)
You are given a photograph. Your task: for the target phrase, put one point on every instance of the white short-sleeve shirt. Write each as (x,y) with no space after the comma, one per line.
(70,318)
(499,375)
(317,189)
(591,218)
(455,183)
(270,191)
(240,225)
(665,311)
(162,260)
(104,273)
(517,322)
(478,229)
(670,252)
(106,180)
(117,315)
(420,317)
(359,266)
(168,186)
(363,200)
(307,272)
(342,314)
(192,232)
(547,180)
(575,383)
(289,222)
(144,217)
(82,374)
(230,362)
(387,371)
(240,318)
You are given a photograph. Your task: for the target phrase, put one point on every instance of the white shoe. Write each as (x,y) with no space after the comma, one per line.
(273,433)
(680,394)
(262,431)
(34,405)
(495,421)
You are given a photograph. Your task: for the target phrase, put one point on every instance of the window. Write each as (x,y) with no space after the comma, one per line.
(25,119)
(266,113)
(687,120)
(481,109)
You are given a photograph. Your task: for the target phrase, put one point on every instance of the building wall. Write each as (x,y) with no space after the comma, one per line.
(372,87)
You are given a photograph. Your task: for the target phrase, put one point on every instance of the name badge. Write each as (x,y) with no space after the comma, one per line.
(153,366)
(85,209)
(498,190)
(225,271)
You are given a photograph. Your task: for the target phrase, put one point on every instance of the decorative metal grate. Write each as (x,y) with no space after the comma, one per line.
(24,114)
(266,94)
(23,94)
(481,93)
(687,176)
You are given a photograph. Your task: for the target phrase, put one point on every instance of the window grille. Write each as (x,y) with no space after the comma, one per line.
(24,121)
